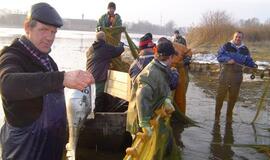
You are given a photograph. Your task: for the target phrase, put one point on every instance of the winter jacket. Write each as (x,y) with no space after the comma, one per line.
(138,65)
(149,91)
(105,22)
(180,39)
(24,81)
(239,54)
(98,62)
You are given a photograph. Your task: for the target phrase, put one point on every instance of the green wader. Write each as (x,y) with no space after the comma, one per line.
(229,82)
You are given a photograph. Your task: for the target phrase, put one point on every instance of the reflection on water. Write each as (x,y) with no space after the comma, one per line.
(220,147)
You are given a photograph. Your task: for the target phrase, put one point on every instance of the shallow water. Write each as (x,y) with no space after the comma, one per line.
(212,141)
(209,141)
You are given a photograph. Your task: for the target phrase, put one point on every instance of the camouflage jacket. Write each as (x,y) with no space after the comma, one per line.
(105,22)
(150,89)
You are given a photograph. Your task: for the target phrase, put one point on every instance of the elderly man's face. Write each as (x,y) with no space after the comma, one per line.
(41,35)
(111,10)
(237,38)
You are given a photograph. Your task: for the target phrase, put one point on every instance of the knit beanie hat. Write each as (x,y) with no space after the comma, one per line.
(111,5)
(165,48)
(146,41)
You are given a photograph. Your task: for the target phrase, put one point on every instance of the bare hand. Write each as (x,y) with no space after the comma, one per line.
(78,79)
(231,61)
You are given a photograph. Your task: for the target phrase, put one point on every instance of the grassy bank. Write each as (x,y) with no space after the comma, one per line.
(259,50)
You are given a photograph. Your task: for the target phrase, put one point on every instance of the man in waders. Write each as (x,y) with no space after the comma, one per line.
(231,56)
(178,38)
(109,19)
(151,90)
(32,90)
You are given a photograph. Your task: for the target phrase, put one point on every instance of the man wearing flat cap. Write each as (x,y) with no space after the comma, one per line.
(32,90)
(109,19)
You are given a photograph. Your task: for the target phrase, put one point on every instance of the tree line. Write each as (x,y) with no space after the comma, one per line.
(214,28)
(16,20)
(217,27)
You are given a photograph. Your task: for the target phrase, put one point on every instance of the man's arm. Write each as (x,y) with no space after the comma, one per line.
(15,84)
(118,21)
(117,51)
(101,22)
(223,56)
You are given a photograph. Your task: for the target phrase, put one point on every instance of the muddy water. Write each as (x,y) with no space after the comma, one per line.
(209,141)
(222,141)
(213,141)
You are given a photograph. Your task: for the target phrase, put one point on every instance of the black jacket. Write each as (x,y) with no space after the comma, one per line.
(99,57)
(23,83)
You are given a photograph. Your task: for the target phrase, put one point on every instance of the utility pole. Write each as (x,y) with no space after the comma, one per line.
(161,23)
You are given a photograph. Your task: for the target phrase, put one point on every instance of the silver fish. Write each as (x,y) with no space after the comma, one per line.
(79,105)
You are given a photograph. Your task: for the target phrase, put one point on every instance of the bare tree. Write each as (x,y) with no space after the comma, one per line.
(215,28)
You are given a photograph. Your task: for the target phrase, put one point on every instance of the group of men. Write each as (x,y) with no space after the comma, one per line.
(32,87)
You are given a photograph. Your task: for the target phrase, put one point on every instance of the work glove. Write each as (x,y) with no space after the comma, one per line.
(174,77)
(168,106)
(121,44)
(187,60)
(147,131)
(99,28)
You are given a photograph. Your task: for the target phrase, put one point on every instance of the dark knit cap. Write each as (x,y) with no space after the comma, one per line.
(111,5)
(146,41)
(163,39)
(165,48)
(46,14)
(176,32)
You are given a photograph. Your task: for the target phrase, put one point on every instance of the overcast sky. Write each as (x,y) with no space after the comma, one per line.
(182,12)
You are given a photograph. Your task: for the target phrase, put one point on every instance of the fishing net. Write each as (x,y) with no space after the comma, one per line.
(159,146)
(113,37)
(261,103)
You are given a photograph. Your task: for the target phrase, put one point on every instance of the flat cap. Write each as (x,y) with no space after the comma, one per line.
(46,14)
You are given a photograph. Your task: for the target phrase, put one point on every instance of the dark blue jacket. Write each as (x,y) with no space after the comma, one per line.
(138,65)
(240,55)
(98,62)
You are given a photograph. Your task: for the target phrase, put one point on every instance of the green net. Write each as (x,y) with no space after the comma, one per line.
(113,37)
(180,117)
(159,146)
(261,103)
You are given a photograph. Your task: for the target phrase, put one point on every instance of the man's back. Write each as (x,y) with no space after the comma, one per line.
(99,57)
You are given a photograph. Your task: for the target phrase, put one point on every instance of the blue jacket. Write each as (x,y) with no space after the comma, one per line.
(138,65)
(240,55)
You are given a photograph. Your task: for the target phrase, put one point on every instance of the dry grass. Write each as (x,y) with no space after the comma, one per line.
(260,51)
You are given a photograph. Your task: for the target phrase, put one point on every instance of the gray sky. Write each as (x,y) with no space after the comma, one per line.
(182,12)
